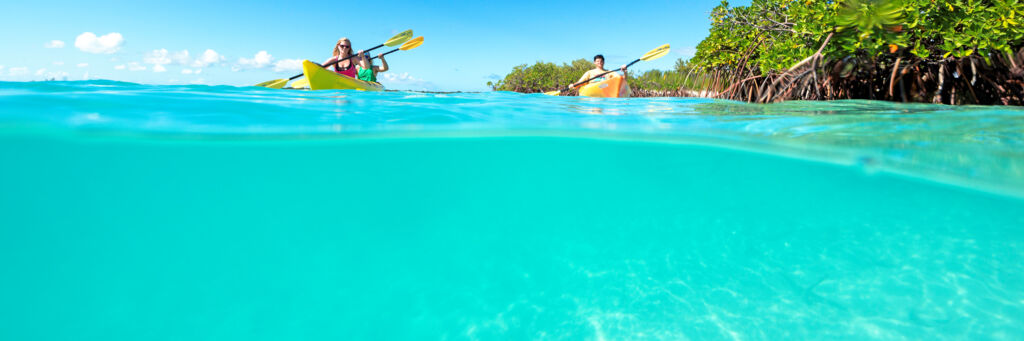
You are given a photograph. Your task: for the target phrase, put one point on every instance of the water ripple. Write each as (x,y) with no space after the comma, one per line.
(980,146)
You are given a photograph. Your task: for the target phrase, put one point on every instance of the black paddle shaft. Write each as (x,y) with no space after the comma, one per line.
(598,76)
(339,61)
(386,53)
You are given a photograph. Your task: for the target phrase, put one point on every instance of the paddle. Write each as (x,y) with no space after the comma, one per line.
(409,45)
(396,40)
(656,53)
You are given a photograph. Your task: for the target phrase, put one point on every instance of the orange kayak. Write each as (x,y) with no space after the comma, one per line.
(610,87)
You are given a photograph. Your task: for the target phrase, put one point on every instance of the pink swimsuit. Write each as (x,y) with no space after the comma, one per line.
(350,71)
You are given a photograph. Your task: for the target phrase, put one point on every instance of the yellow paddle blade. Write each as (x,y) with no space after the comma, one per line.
(399,38)
(553,93)
(300,84)
(274,84)
(659,52)
(409,45)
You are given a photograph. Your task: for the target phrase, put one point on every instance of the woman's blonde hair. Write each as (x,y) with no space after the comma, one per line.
(337,51)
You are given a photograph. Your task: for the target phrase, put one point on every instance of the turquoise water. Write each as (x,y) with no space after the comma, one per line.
(134,212)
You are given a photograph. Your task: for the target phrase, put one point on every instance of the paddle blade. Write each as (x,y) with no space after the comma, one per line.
(398,39)
(274,84)
(300,84)
(553,93)
(659,52)
(409,45)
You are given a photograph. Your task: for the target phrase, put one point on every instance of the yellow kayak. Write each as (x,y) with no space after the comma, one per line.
(323,79)
(610,87)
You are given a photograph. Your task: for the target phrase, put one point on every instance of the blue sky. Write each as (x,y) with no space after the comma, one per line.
(466,43)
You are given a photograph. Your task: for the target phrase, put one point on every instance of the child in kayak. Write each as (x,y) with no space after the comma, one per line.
(369,73)
(599,69)
(342,50)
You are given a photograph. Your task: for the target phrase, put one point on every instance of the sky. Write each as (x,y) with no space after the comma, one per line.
(466,43)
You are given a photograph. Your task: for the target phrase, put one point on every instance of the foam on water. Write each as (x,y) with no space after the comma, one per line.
(195,212)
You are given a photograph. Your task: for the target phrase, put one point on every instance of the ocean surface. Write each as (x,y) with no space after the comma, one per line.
(143,212)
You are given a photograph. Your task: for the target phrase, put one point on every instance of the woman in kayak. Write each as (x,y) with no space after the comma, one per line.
(342,50)
(599,69)
(369,74)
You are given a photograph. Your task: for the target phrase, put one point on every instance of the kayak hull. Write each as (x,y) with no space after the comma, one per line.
(611,87)
(322,79)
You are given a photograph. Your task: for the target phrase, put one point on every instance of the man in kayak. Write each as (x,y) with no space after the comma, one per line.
(342,50)
(369,74)
(598,70)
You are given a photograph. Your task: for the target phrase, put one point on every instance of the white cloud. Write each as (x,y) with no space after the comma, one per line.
(40,72)
(260,60)
(396,77)
(405,81)
(288,65)
(186,71)
(686,51)
(58,63)
(82,64)
(180,57)
(106,44)
(157,57)
(57,75)
(1,67)
(54,44)
(133,66)
(199,71)
(162,57)
(18,71)
(208,58)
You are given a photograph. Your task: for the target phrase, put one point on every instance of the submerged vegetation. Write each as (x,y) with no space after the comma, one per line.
(940,51)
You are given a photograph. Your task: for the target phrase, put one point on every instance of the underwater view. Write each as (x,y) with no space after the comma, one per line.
(163,212)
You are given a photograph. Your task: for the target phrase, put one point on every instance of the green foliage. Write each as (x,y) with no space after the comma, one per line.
(684,76)
(772,35)
(658,80)
(542,76)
